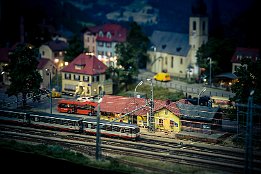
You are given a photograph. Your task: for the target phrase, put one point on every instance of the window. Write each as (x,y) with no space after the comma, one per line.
(79,67)
(86,78)
(181,61)
(166,61)
(160,122)
(43,53)
(171,123)
(108,45)
(100,34)
(76,77)
(194,27)
(115,129)
(67,76)
(100,53)
(69,87)
(172,62)
(96,78)
(108,35)
(100,44)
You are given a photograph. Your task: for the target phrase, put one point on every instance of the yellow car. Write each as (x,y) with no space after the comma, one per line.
(55,94)
(164,77)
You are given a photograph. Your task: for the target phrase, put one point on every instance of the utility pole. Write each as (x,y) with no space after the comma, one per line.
(210,62)
(151,104)
(249,134)
(98,133)
(48,72)
(203,90)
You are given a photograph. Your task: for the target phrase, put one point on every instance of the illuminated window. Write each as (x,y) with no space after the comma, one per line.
(100,34)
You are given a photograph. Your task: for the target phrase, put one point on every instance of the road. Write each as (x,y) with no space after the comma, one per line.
(192,89)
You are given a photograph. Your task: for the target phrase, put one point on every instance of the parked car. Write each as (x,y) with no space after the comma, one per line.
(55,94)
(164,77)
(82,99)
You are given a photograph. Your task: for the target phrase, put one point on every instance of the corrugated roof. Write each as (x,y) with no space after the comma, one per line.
(91,65)
(170,42)
(197,112)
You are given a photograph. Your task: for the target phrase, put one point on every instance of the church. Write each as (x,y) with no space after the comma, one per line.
(175,53)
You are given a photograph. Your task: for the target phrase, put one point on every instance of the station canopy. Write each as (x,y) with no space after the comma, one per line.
(226,76)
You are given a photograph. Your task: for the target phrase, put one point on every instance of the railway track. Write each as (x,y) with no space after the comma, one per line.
(161,150)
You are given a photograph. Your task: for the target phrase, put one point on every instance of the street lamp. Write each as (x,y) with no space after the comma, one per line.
(210,62)
(203,90)
(98,133)
(56,61)
(151,116)
(48,72)
(249,135)
(141,82)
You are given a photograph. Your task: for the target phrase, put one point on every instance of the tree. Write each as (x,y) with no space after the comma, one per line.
(22,71)
(74,49)
(248,80)
(220,51)
(132,54)
(139,42)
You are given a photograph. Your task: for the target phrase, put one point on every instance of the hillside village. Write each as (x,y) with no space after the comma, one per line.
(170,52)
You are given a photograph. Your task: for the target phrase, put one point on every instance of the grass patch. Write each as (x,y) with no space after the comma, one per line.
(175,168)
(159,93)
(58,152)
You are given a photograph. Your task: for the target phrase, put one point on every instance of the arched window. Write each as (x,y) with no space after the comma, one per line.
(172,62)
(194,26)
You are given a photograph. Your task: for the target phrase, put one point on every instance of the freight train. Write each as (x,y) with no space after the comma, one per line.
(71,124)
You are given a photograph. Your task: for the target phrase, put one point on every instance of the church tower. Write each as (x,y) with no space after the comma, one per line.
(198,31)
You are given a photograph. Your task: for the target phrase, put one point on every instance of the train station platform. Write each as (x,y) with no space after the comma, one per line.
(217,137)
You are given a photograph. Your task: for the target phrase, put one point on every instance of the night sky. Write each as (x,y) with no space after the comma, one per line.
(173,14)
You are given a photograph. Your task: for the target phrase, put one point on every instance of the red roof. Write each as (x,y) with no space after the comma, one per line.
(252,53)
(118,33)
(123,105)
(90,65)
